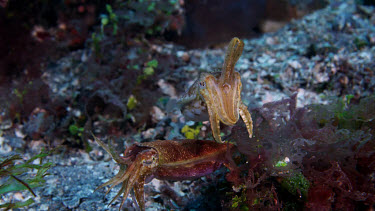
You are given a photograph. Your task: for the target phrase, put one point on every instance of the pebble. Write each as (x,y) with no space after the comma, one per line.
(295,64)
(5,124)
(149,133)
(18,196)
(157,114)
(183,55)
(5,148)
(167,88)
(44,207)
(19,134)
(71,202)
(37,145)
(96,154)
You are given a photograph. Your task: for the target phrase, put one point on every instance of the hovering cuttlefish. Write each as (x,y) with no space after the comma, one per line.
(220,92)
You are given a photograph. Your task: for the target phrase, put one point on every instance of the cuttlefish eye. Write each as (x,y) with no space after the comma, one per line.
(149,161)
(202,84)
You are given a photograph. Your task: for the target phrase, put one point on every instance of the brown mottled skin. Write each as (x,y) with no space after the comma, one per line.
(187,159)
(221,93)
(164,159)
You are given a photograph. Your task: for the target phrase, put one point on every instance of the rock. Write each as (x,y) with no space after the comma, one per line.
(10,143)
(37,145)
(295,64)
(39,123)
(149,133)
(183,55)
(5,123)
(18,196)
(96,154)
(5,149)
(157,114)
(71,203)
(167,88)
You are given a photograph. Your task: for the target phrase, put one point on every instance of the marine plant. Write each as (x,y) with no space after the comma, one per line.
(17,177)
(330,150)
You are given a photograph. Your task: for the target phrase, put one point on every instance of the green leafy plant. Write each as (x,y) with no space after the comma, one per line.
(150,16)
(360,43)
(19,94)
(345,114)
(74,129)
(110,19)
(14,172)
(296,185)
(149,70)
(105,20)
(240,201)
(96,39)
(132,102)
(77,130)
(281,163)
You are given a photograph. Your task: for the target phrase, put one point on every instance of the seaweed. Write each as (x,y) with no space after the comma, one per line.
(15,179)
(318,156)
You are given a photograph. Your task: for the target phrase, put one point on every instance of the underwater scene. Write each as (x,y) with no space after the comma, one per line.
(187,105)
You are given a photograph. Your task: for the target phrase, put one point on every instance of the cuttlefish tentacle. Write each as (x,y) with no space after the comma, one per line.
(246,117)
(127,176)
(212,113)
(110,150)
(114,179)
(139,193)
(124,176)
(127,179)
(129,185)
(215,124)
(123,187)
(234,52)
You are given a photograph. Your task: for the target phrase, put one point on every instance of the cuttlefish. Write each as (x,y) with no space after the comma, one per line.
(220,94)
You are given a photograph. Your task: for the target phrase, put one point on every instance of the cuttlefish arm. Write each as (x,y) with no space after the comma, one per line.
(233,53)
(246,117)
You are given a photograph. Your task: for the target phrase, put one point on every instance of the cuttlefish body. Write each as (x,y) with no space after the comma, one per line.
(220,93)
